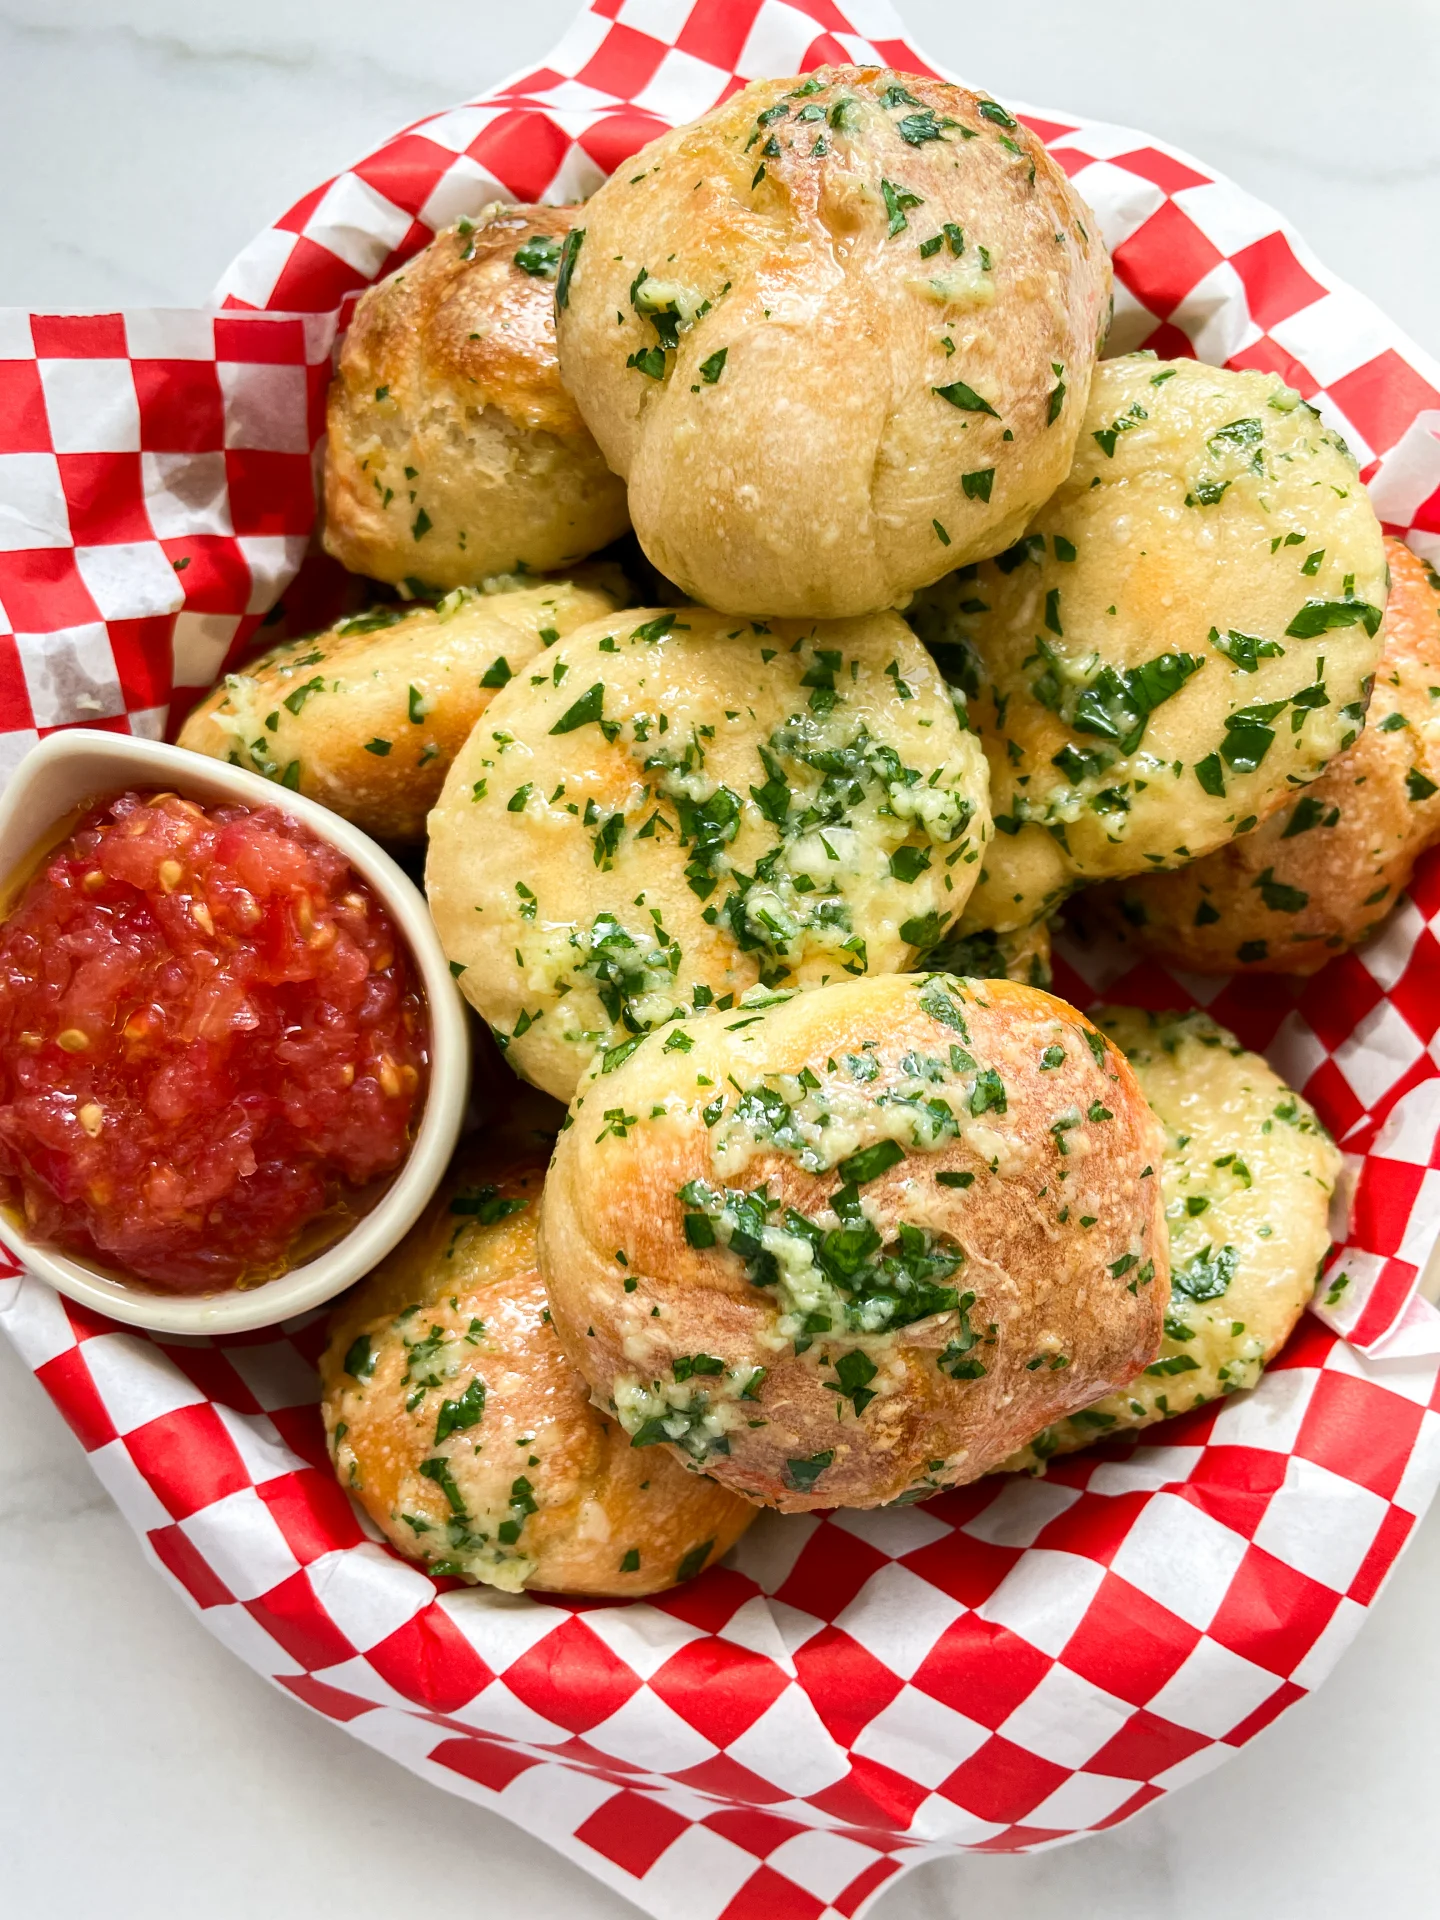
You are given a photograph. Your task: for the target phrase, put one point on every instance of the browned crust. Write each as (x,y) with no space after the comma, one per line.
(448,399)
(1049,1287)
(1345,847)
(597,1499)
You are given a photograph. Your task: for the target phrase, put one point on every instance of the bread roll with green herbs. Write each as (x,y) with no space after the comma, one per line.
(456,1421)
(837,335)
(1326,870)
(675,807)
(454,452)
(857,1246)
(1186,633)
(367,717)
(1248,1174)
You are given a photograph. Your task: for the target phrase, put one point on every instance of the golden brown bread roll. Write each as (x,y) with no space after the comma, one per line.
(1324,871)
(454,452)
(675,807)
(1186,633)
(1248,1175)
(837,335)
(367,717)
(862,1245)
(457,1423)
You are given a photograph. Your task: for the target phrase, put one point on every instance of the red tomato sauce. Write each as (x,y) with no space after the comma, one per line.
(212,1043)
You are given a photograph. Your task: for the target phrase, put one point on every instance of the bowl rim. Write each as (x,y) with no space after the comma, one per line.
(126,760)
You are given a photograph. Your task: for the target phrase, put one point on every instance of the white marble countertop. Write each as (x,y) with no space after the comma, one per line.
(143,1770)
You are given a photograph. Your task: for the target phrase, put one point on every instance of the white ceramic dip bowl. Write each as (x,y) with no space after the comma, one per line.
(78,766)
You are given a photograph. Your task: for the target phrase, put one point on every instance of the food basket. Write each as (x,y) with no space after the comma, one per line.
(1009,1666)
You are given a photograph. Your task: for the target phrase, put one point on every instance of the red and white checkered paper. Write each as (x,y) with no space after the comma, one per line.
(1012,1664)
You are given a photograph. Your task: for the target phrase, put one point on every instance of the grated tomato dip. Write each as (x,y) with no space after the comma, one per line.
(211,1043)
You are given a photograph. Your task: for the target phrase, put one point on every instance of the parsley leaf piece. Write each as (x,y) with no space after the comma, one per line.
(802,1474)
(898,201)
(1205,1275)
(870,1162)
(1320,616)
(360,1358)
(569,254)
(965,398)
(585,711)
(456,1416)
(539,256)
(694,1560)
(1278,897)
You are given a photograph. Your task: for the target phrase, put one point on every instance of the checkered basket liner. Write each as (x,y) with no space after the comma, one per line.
(1008,1666)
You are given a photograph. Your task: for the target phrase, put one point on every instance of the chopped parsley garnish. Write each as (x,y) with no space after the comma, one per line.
(870,1162)
(687,1365)
(1320,616)
(917,128)
(585,711)
(1249,735)
(965,398)
(360,1358)
(1278,897)
(486,1204)
(1246,650)
(1205,1275)
(569,254)
(296,700)
(539,256)
(370,621)
(907,863)
(898,201)
(987,1093)
(1057,394)
(1106,437)
(923,930)
(438,1470)
(935,1001)
(456,1416)
(802,1474)
(1116,704)
(1211,775)
(877,1286)
(959,1359)
(693,1561)
(853,1373)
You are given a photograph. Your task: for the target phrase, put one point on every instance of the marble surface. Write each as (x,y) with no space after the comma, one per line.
(143,1770)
